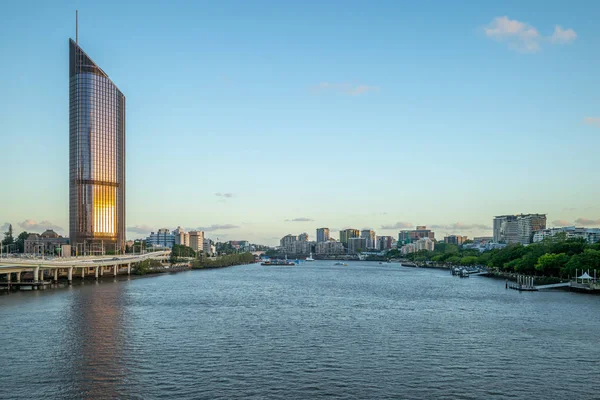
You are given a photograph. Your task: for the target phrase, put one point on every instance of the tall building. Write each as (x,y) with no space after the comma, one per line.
(181,236)
(410,236)
(347,234)
(517,228)
(371,238)
(357,244)
(162,238)
(384,242)
(329,248)
(455,239)
(197,240)
(96,156)
(287,243)
(322,235)
(303,237)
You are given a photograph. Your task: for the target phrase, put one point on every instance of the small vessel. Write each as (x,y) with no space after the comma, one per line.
(339,263)
(310,258)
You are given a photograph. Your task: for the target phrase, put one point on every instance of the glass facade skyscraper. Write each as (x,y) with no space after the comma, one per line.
(96,157)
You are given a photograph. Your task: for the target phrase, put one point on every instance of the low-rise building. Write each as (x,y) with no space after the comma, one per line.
(590,235)
(49,243)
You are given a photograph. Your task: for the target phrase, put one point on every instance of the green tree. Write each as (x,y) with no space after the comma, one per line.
(20,242)
(551,264)
(588,260)
(469,260)
(8,236)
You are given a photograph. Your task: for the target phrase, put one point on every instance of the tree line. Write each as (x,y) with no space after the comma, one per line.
(223,261)
(557,256)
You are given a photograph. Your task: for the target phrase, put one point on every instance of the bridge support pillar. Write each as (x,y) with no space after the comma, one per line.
(55,275)
(18,277)
(8,277)
(115,269)
(101,271)
(83,272)
(36,273)
(96,272)
(70,275)
(129,269)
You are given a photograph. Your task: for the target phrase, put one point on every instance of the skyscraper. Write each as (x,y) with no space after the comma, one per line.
(322,235)
(96,157)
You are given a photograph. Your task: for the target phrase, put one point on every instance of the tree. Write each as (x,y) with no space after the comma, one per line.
(551,264)
(589,259)
(20,242)
(8,236)
(469,260)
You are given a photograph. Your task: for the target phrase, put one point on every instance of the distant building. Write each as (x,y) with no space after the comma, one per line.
(207,246)
(181,236)
(410,236)
(517,228)
(196,240)
(301,247)
(357,244)
(303,237)
(483,239)
(422,244)
(371,238)
(48,242)
(330,248)
(162,238)
(287,242)
(384,242)
(322,235)
(347,234)
(243,245)
(590,235)
(455,239)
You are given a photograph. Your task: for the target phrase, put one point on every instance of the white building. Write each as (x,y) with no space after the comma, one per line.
(517,228)
(329,248)
(591,235)
(207,246)
(425,244)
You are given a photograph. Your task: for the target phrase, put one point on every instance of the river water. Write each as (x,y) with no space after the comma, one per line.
(365,331)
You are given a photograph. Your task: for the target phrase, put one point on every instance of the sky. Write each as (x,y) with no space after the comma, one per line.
(255,119)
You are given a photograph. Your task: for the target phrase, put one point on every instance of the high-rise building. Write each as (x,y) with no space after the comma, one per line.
(181,236)
(96,156)
(287,243)
(356,245)
(303,237)
(371,238)
(329,248)
(455,239)
(347,234)
(384,242)
(197,240)
(517,228)
(410,236)
(322,235)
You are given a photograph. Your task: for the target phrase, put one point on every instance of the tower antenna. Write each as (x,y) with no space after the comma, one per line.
(77,26)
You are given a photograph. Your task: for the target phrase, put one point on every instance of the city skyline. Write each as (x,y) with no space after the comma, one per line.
(499,93)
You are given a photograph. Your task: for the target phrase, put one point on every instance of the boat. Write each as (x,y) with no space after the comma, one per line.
(278,262)
(339,263)
(310,258)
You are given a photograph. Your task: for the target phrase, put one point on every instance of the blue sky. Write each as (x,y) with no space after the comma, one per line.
(243,116)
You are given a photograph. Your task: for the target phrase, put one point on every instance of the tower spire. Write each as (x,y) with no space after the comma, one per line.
(77,26)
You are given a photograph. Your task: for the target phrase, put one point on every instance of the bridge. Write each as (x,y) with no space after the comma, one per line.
(82,265)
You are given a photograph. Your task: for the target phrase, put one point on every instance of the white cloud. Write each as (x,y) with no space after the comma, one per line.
(301,219)
(595,121)
(459,226)
(563,36)
(344,88)
(141,229)
(216,227)
(525,38)
(226,195)
(33,226)
(587,221)
(397,225)
(560,222)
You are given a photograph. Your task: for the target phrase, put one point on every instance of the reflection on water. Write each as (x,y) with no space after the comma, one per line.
(313,331)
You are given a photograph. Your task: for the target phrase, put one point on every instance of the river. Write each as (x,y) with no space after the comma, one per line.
(364,331)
